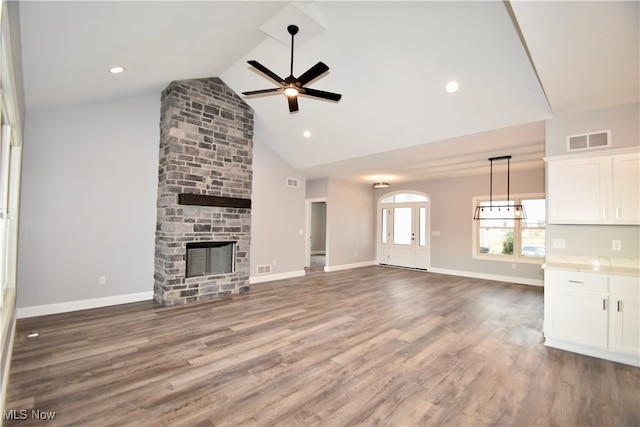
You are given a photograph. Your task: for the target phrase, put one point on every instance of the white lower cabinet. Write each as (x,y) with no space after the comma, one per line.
(625,315)
(594,314)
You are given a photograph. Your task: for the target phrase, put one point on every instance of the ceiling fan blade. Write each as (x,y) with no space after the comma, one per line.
(313,72)
(257,92)
(322,94)
(267,72)
(293,103)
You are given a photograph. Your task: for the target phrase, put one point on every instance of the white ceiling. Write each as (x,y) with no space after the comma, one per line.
(517,64)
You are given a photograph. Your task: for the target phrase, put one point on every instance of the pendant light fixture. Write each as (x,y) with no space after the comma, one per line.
(508,211)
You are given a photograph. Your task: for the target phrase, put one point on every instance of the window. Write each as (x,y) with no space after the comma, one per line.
(509,240)
(405,198)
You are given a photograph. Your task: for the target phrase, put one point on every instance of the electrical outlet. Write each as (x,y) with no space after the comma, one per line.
(558,243)
(616,245)
(102,280)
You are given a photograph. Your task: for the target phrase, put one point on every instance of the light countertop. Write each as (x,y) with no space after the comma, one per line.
(594,264)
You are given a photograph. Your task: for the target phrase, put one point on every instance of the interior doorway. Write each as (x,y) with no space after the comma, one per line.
(404,224)
(316,248)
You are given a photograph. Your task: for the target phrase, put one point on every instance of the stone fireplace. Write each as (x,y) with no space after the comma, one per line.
(204,193)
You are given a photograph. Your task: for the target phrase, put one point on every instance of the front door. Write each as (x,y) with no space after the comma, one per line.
(403,235)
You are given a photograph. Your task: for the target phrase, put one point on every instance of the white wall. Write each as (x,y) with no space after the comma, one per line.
(88,203)
(89,195)
(350,224)
(452,217)
(624,122)
(277,216)
(317,188)
(89,207)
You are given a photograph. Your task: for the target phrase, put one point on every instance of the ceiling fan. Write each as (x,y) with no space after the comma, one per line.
(291,86)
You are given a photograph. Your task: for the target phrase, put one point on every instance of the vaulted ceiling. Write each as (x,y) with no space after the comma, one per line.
(517,63)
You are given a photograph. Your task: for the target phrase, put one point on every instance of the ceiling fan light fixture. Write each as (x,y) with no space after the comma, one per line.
(292,86)
(291,91)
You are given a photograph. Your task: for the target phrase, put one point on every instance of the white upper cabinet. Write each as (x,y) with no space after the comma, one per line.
(626,194)
(594,190)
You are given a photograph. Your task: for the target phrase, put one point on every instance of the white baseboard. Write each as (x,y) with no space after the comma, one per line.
(272,277)
(348,266)
(633,360)
(496,277)
(64,307)
(291,274)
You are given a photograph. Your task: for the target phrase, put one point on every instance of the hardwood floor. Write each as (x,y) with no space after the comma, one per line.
(368,346)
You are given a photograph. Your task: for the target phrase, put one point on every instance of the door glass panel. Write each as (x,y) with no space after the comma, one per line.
(383,237)
(422,236)
(402,226)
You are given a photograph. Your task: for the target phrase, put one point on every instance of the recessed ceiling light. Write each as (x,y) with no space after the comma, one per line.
(306,134)
(116,70)
(451,87)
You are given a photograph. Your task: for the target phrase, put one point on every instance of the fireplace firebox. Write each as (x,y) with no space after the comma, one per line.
(210,258)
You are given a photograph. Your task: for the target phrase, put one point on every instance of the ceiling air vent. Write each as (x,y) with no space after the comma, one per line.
(292,182)
(589,140)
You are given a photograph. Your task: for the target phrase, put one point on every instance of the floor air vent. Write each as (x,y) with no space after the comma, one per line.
(589,140)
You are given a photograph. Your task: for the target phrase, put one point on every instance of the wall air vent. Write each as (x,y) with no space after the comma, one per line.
(264,269)
(292,182)
(589,140)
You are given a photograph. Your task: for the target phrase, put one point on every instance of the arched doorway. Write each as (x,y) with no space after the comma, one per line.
(403,230)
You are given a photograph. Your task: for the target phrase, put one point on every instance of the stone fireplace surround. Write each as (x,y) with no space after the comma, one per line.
(204,187)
